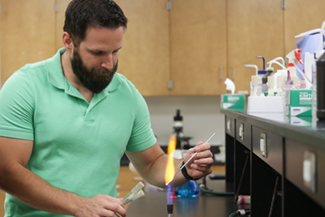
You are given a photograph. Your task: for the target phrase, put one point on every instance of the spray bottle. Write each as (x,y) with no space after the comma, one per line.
(300,84)
(309,43)
(297,56)
(288,84)
(291,66)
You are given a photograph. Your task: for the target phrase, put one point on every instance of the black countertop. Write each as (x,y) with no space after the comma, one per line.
(154,203)
(311,132)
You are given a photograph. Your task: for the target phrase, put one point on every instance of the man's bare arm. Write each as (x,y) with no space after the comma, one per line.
(29,188)
(151,164)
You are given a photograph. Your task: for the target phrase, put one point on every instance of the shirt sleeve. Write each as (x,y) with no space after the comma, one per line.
(142,136)
(16,107)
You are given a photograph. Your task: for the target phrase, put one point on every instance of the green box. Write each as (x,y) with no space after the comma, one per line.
(233,101)
(298,103)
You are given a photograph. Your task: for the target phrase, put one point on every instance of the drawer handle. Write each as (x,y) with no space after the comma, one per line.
(229,125)
(309,171)
(241,131)
(263,145)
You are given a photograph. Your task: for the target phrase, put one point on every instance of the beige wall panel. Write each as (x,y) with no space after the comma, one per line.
(198,47)
(27,33)
(144,58)
(255,28)
(59,21)
(301,16)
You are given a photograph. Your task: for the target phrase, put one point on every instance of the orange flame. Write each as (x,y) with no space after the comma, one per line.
(170,170)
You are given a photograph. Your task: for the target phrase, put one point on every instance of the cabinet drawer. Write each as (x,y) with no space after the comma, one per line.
(305,169)
(230,126)
(268,147)
(244,133)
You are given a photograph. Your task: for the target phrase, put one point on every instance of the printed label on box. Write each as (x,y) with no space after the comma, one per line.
(299,103)
(233,101)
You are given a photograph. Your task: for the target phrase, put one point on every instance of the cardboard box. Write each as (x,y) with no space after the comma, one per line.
(299,103)
(233,102)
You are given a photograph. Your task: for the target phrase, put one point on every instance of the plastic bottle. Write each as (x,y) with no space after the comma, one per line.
(295,82)
(263,73)
(254,91)
(314,91)
(278,81)
(303,83)
(265,86)
(318,54)
(260,74)
(320,66)
(270,84)
(288,84)
(292,55)
(279,85)
(258,89)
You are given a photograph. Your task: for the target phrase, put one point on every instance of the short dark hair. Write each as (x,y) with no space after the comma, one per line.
(81,14)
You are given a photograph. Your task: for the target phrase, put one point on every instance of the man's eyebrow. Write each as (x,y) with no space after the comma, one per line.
(97,50)
(118,48)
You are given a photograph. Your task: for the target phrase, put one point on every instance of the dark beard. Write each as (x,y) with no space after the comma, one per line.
(95,80)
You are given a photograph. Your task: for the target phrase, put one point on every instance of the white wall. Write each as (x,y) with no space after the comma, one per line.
(201,117)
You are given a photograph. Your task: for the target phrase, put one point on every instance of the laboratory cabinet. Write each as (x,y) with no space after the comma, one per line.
(198,47)
(166,51)
(254,28)
(243,158)
(284,174)
(27,33)
(304,169)
(147,32)
(309,14)
(230,144)
(268,147)
(171,48)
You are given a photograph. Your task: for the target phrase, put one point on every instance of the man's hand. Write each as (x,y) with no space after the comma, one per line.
(201,164)
(101,206)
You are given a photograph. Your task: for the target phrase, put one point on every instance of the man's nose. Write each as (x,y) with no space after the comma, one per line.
(108,62)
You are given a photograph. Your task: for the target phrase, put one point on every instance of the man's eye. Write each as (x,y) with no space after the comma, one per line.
(97,52)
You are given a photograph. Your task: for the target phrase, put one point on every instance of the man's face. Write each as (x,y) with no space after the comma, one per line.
(95,60)
(94,79)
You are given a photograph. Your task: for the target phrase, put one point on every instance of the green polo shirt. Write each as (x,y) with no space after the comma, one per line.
(77,145)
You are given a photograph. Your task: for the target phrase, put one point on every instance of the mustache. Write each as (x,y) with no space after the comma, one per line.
(105,71)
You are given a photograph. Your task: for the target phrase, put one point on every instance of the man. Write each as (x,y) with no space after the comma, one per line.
(65,123)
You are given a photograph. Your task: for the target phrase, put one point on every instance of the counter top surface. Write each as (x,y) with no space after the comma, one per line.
(154,204)
(306,129)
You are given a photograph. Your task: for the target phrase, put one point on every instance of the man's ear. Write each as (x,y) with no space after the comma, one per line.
(67,41)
